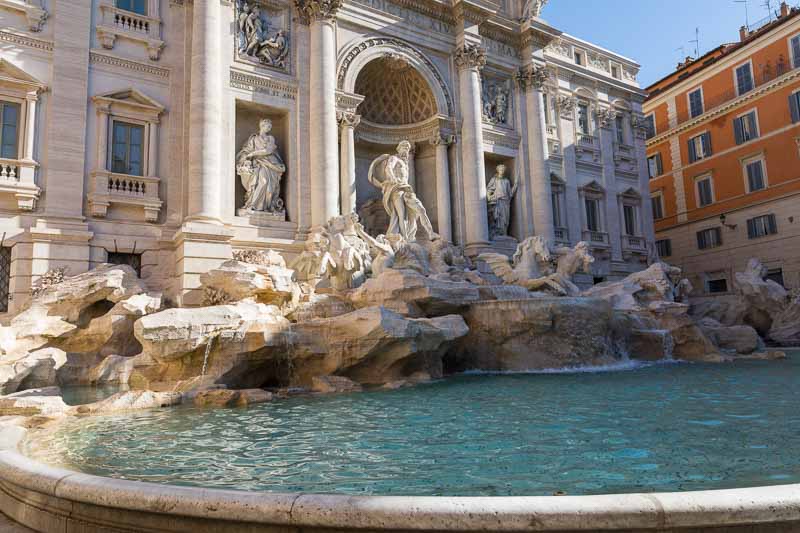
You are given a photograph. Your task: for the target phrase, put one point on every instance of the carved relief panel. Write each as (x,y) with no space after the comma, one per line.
(496,100)
(262,34)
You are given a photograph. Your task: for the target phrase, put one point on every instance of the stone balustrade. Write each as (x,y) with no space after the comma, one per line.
(115,22)
(123,189)
(586,140)
(597,239)
(9,169)
(633,243)
(552,131)
(17,179)
(561,235)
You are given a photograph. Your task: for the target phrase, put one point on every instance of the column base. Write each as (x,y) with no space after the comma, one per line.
(474,249)
(199,247)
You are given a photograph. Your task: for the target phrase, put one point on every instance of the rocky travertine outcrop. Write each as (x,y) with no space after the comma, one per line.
(412,294)
(45,401)
(235,280)
(72,326)
(737,339)
(372,346)
(535,334)
(330,384)
(130,401)
(637,291)
(228,398)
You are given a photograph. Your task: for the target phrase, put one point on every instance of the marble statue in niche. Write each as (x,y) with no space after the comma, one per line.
(261,169)
(499,193)
(532,9)
(254,41)
(495,102)
(389,173)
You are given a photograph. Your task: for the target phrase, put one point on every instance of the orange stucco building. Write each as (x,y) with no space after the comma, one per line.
(723,155)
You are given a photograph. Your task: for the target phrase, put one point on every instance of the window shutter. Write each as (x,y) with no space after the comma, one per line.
(753,125)
(659,164)
(751,228)
(738,130)
(717,236)
(692,151)
(773,224)
(794,105)
(706,140)
(796,49)
(701,240)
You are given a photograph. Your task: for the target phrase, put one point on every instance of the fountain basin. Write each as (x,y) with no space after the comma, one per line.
(32,490)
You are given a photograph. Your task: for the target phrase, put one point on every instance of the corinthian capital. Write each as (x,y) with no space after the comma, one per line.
(311,10)
(347,119)
(470,56)
(532,77)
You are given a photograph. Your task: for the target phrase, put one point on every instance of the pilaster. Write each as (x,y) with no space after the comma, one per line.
(347,161)
(444,214)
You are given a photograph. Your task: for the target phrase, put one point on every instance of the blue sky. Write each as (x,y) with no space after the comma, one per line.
(650,31)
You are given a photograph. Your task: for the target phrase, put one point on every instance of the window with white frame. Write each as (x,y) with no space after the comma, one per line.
(709,238)
(744,79)
(699,147)
(592,207)
(664,247)
(650,126)
(794,106)
(619,126)
(755,173)
(705,191)
(657,204)
(795,45)
(654,166)
(745,127)
(762,226)
(9,129)
(583,118)
(696,102)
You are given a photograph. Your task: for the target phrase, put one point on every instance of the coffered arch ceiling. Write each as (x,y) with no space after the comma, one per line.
(395,93)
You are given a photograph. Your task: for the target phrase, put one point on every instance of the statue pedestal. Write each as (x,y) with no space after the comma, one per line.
(262,218)
(504,245)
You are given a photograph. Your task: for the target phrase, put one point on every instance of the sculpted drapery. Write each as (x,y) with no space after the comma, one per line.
(261,169)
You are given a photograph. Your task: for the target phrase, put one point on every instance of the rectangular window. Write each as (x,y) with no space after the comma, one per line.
(664,247)
(615,71)
(126,148)
(709,238)
(545,100)
(578,58)
(755,175)
(650,126)
(629,215)
(654,166)
(705,193)
(761,226)
(555,198)
(696,103)
(745,128)
(796,51)
(583,119)
(9,129)
(136,6)
(776,275)
(744,79)
(716,285)
(699,147)
(657,203)
(794,107)
(619,124)
(592,214)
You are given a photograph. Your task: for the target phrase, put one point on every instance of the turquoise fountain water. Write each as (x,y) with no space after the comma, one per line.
(659,428)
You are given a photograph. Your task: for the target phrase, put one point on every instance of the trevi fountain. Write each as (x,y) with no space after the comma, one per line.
(380,265)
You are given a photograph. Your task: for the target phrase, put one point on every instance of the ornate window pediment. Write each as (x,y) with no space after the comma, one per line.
(631,195)
(20,92)
(593,187)
(128,113)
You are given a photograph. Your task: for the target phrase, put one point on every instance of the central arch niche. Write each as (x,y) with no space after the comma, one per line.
(397,100)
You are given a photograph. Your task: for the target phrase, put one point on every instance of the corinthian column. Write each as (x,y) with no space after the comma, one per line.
(531,79)
(320,15)
(443,216)
(205,102)
(347,161)
(469,58)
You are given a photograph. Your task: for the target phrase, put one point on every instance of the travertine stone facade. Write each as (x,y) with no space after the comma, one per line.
(128,117)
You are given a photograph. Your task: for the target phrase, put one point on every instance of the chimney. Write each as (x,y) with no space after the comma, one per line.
(743,33)
(785,10)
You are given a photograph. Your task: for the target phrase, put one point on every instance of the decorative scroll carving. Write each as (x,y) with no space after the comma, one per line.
(470,56)
(605,117)
(317,10)
(566,106)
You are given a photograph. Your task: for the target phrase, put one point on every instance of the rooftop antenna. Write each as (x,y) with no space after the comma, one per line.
(696,42)
(746,14)
(768,4)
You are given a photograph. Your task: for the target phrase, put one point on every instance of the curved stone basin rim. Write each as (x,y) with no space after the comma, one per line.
(21,476)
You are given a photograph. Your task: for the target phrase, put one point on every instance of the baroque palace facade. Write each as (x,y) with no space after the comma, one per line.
(724,158)
(167,133)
